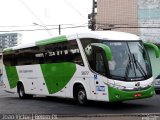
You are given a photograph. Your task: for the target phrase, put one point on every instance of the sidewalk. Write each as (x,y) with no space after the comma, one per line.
(114,117)
(103,118)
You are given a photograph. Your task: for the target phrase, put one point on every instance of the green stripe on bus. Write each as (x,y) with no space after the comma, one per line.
(120,95)
(7,49)
(51,40)
(154,47)
(12,76)
(57,75)
(106,49)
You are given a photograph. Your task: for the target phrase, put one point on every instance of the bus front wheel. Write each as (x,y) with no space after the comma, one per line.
(81,95)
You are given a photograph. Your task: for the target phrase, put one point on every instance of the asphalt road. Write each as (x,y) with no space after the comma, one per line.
(11,104)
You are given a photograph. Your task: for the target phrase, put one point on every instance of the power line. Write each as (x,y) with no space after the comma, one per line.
(40,26)
(75,27)
(137,27)
(76,10)
(130,24)
(133,27)
(145,24)
(18,26)
(31,11)
(23,30)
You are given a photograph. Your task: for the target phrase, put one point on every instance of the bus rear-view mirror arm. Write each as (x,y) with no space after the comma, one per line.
(106,49)
(153,46)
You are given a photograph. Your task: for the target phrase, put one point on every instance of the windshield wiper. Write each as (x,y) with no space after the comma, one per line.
(140,68)
(128,68)
(131,61)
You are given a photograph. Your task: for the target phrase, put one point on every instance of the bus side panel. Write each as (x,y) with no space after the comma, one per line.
(93,84)
(67,90)
(12,76)
(32,78)
(57,75)
(101,89)
(80,78)
(6,82)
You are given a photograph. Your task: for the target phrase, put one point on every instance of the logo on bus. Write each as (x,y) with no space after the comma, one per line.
(100,88)
(85,72)
(95,77)
(137,84)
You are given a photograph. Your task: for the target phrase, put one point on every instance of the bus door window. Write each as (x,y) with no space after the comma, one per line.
(100,64)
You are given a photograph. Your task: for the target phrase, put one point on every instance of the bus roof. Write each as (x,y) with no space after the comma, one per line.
(107,35)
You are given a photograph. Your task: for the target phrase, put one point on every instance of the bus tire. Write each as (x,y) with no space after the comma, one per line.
(21,92)
(81,95)
(157,91)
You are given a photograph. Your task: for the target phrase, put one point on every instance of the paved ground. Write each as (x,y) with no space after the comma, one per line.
(66,109)
(54,117)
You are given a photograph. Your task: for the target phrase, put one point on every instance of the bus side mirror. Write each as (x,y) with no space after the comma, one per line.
(106,49)
(153,46)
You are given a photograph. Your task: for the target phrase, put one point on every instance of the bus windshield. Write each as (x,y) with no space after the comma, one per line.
(129,62)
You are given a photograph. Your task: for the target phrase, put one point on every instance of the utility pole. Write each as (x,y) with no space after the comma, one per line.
(92,21)
(59,28)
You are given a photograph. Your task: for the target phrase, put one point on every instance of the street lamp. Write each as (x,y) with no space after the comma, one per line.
(45,27)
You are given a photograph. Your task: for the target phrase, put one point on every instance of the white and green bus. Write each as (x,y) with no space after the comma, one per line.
(102,66)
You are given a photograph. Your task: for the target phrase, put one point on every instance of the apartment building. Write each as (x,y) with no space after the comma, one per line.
(9,40)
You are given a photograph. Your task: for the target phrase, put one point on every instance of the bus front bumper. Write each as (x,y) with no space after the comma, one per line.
(116,95)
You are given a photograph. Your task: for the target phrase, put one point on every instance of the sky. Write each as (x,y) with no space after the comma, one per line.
(37,14)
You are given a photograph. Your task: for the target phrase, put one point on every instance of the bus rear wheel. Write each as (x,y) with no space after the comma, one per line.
(81,95)
(21,92)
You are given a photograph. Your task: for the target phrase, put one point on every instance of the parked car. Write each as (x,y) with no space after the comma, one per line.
(156,84)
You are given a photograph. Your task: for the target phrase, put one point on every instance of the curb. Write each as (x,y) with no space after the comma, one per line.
(114,115)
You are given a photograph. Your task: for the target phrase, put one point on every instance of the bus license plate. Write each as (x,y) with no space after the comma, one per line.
(137,95)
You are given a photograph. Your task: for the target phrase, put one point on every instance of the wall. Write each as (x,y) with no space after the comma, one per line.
(149,16)
(120,13)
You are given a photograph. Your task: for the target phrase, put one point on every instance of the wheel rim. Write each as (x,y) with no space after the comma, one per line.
(21,91)
(81,97)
